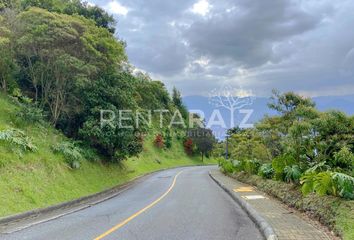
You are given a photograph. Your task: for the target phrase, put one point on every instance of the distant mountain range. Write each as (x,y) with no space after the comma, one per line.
(260,108)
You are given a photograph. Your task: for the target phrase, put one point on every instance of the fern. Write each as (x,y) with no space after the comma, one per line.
(18,138)
(71,153)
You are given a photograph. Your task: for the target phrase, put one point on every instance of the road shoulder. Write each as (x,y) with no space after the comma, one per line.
(285,224)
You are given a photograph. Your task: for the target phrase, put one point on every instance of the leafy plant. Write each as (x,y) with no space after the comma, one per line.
(266,171)
(226,166)
(344,158)
(279,163)
(71,153)
(168,138)
(31,114)
(345,185)
(252,166)
(323,184)
(322,166)
(332,183)
(188,146)
(307,181)
(159,141)
(238,165)
(292,174)
(17,137)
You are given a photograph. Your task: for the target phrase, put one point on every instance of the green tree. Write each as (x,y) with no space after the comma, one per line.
(8,66)
(204,140)
(178,102)
(9,4)
(61,54)
(247,145)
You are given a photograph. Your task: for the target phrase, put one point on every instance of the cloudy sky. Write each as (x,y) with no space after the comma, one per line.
(199,45)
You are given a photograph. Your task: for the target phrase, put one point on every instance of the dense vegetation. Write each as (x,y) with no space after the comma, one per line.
(300,145)
(63,64)
(38,164)
(301,156)
(60,65)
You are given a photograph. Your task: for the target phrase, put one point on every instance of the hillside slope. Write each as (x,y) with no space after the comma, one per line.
(31,180)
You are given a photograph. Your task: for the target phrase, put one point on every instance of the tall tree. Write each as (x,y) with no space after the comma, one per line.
(178,102)
(61,54)
(204,140)
(8,66)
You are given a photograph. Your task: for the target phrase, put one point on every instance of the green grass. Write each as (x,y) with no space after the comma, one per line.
(345,220)
(34,180)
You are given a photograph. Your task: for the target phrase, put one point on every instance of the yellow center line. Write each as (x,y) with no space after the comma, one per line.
(121,224)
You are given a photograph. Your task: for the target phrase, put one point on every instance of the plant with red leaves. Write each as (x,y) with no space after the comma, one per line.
(188,146)
(159,142)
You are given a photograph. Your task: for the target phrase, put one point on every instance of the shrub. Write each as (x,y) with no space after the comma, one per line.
(71,153)
(344,184)
(159,142)
(307,181)
(266,171)
(238,165)
(332,183)
(252,166)
(319,167)
(279,163)
(168,142)
(344,158)
(31,114)
(188,146)
(292,174)
(90,154)
(17,137)
(226,166)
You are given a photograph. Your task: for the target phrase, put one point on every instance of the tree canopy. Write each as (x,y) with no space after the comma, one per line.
(62,55)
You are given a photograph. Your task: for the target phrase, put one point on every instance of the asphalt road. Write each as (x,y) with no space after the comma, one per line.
(180,203)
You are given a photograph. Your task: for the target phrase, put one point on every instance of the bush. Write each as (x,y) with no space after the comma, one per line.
(226,166)
(17,137)
(71,153)
(332,183)
(168,142)
(89,153)
(266,171)
(159,142)
(238,165)
(252,166)
(344,158)
(292,174)
(31,114)
(188,146)
(344,184)
(279,163)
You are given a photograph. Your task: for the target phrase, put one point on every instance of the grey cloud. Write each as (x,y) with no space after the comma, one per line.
(247,34)
(303,45)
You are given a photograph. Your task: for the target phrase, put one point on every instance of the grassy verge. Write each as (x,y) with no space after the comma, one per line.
(336,213)
(34,180)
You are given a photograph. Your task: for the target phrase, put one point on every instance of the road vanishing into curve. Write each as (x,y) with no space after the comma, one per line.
(182,203)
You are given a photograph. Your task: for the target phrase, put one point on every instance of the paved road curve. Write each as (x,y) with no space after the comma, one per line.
(181,204)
